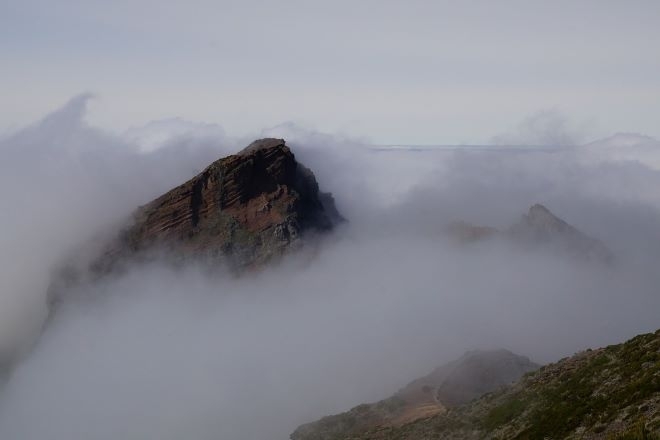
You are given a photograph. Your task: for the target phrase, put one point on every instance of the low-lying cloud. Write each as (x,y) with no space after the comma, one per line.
(548,127)
(159,353)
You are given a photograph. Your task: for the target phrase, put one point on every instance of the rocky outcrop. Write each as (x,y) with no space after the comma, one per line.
(539,228)
(458,382)
(241,211)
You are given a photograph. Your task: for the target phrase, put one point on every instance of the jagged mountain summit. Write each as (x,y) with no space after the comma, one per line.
(241,211)
(538,228)
(610,393)
(247,208)
(469,377)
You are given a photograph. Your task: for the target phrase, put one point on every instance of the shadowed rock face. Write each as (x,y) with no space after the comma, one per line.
(242,211)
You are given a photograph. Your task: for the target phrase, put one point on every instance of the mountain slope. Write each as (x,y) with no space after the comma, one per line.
(607,393)
(455,383)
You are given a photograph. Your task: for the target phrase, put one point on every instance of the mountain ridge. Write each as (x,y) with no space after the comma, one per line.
(608,393)
(449,385)
(538,228)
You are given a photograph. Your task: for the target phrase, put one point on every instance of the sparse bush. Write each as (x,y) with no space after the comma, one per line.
(636,432)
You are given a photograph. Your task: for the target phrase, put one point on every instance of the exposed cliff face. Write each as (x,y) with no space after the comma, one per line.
(241,211)
(251,206)
(458,382)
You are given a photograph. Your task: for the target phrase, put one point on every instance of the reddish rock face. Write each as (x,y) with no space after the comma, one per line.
(246,208)
(243,185)
(241,211)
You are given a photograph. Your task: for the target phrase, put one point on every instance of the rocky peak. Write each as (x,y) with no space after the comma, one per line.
(242,210)
(247,207)
(541,227)
(262,144)
(541,219)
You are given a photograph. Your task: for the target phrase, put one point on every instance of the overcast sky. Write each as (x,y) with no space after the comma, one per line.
(415,72)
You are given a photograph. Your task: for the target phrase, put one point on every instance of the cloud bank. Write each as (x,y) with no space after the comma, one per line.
(158,353)
(544,128)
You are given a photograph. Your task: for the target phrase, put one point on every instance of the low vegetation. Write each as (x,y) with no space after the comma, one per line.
(611,393)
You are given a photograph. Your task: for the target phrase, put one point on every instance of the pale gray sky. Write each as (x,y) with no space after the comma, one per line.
(395,72)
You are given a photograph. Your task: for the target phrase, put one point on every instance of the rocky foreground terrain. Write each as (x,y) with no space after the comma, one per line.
(609,393)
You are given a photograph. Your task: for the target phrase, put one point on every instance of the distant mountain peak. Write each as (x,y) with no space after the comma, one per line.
(539,227)
(540,218)
(537,208)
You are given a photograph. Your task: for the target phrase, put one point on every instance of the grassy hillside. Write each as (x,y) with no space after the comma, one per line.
(450,385)
(610,393)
